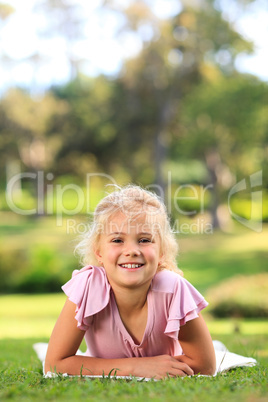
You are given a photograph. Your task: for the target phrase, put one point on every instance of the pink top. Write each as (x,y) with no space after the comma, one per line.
(172,301)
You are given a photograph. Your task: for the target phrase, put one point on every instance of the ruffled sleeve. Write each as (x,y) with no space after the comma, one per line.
(89,289)
(185,305)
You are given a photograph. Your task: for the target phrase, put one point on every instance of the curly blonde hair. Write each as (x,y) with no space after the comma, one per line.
(132,201)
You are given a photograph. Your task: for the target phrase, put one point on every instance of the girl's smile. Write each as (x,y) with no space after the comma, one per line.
(129,254)
(131,265)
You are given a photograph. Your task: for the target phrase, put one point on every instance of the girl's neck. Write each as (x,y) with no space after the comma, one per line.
(133,311)
(130,300)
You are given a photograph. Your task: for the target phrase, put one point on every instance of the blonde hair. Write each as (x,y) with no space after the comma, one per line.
(132,201)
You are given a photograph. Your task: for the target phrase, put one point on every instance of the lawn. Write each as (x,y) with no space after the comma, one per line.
(21,379)
(208,259)
(30,318)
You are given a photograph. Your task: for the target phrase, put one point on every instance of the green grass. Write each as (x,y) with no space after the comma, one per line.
(21,373)
(21,379)
(208,259)
(26,316)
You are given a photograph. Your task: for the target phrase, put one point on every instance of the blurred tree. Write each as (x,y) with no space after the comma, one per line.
(143,106)
(229,115)
(224,123)
(89,129)
(24,125)
(172,63)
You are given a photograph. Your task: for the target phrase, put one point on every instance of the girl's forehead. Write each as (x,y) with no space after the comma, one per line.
(139,223)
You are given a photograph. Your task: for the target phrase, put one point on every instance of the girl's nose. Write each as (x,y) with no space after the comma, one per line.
(131,250)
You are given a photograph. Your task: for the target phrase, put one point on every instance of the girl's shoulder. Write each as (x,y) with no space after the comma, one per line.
(181,300)
(89,289)
(166,281)
(88,282)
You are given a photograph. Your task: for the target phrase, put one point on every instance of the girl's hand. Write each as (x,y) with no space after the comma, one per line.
(159,367)
(66,338)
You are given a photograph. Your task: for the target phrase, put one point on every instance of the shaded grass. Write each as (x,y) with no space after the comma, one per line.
(204,270)
(207,260)
(20,231)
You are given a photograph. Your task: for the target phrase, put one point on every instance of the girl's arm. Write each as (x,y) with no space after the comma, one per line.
(66,339)
(197,347)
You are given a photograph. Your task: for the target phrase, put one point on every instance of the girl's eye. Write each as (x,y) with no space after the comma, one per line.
(117,240)
(145,240)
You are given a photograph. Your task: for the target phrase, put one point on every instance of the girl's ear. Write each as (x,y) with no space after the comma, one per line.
(98,255)
(161,259)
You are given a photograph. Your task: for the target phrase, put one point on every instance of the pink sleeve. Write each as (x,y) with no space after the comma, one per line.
(89,289)
(186,303)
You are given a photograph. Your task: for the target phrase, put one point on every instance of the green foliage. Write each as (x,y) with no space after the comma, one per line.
(34,257)
(240,296)
(243,206)
(44,272)
(223,113)
(10,265)
(37,270)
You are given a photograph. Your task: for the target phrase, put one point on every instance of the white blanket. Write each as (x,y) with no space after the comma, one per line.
(225,360)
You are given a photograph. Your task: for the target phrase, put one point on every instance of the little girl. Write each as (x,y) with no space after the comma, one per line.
(138,315)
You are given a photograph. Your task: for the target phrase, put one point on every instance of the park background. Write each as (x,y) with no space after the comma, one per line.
(173,114)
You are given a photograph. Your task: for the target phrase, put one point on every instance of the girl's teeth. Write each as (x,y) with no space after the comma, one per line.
(131,265)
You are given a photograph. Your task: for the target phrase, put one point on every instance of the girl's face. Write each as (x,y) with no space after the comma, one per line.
(129,250)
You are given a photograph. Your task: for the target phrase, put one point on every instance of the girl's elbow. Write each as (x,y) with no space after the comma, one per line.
(50,366)
(209,368)
(47,367)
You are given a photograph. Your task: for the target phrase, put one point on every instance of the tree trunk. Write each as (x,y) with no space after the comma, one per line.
(213,163)
(160,146)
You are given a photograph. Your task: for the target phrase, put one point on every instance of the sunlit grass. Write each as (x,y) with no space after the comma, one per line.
(27,316)
(243,326)
(31,306)
(33,316)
